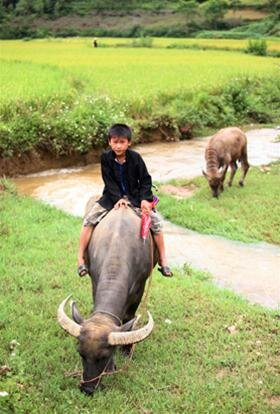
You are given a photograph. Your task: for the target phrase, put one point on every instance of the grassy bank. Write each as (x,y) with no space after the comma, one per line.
(248,214)
(191,364)
(60,96)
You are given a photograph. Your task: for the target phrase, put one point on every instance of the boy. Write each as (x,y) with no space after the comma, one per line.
(127,181)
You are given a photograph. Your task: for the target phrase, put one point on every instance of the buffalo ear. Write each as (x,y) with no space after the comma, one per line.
(205,174)
(76,314)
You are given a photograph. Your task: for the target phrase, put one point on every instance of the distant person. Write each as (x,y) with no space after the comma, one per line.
(95,44)
(127,183)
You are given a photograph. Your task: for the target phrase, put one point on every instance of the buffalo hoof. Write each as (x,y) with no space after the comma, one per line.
(241,184)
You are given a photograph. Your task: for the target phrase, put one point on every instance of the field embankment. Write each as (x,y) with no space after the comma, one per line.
(210,351)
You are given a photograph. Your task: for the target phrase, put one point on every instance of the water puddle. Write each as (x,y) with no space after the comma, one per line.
(250,270)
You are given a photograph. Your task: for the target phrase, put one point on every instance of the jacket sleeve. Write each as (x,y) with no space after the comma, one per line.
(145,181)
(111,186)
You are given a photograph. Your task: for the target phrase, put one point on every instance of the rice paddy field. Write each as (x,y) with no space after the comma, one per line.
(61,66)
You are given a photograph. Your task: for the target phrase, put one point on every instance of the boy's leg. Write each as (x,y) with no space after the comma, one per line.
(164,268)
(156,228)
(94,213)
(159,240)
(85,236)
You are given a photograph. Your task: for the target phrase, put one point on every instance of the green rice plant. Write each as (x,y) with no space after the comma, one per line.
(139,73)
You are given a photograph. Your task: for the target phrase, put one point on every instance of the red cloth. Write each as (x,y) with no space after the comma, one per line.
(146,220)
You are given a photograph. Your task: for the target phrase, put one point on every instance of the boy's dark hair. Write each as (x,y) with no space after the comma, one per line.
(120,130)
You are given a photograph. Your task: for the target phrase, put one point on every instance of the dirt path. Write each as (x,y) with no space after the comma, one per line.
(250,270)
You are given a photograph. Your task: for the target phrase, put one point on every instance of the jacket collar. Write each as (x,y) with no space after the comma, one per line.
(112,155)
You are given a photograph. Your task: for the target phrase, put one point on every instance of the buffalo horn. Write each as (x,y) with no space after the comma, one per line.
(126,338)
(68,324)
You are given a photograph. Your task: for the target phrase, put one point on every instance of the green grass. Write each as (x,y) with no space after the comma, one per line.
(248,214)
(192,364)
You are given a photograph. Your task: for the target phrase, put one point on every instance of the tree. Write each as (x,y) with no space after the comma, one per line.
(60,7)
(49,6)
(2,12)
(9,3)
(38,7)
(274,6)
(214,11)
(188,7)
(24,7)
(27,7)
(234,4)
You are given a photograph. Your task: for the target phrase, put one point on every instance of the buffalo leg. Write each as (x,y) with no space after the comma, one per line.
(233,168)
(223,176)
(245,167)
(130,314)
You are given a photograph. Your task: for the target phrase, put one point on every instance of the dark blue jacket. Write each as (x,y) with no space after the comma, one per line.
(138,180)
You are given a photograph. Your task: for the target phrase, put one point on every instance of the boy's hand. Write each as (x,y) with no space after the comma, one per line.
(145,207)
(122,202)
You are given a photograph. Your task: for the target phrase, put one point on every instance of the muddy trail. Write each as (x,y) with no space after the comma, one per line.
(251,270)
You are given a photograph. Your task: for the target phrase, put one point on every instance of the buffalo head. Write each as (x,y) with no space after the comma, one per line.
(215,183)
(98,336)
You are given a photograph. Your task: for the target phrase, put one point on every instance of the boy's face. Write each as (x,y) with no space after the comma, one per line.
(119,145)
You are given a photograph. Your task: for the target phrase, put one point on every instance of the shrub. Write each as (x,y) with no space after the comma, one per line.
(59,128)
(143,41)
(65,125)
(257,47)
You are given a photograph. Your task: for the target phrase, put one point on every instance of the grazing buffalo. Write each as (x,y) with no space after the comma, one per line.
(224,149)
(119,265)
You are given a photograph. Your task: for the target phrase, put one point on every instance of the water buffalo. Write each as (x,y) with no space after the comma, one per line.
(224,149)
(119,265)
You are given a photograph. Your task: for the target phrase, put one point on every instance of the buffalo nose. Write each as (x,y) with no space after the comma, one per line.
(90,389)
(87,390)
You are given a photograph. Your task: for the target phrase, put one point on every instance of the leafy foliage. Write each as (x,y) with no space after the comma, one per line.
(257,47)
(33,19)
